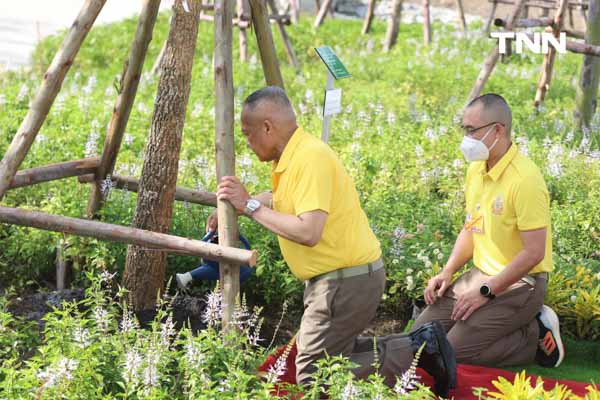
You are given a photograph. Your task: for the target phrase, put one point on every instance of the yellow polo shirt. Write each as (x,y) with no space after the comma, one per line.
(510,198)
(310,177)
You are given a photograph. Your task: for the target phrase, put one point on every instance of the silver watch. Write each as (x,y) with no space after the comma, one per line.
(252,205)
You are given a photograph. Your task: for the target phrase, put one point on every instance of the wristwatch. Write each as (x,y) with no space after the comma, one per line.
(252,205)
(486,291)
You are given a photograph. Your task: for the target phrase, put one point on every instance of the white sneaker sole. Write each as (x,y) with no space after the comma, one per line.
(181,286)
(550,321)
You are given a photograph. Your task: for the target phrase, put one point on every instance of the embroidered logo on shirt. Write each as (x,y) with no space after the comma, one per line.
(498,206)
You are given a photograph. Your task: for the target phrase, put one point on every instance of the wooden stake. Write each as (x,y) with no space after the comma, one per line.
(295,8)
(393,26)
(426,22)
(225,144)
(284,37)
(64,267)
(488,24)
(325,8)
(461,15)
(368,17)
(156,67)
(53,172)
(243,15)
(129,84)
(181,193)
(492,59)
(266,47)
(546,75)
(124,234)
(46,94)
(587,89)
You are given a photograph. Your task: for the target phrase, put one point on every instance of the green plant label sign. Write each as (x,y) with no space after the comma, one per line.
(333,63)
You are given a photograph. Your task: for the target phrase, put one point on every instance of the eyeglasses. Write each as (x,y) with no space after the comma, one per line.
(470,132)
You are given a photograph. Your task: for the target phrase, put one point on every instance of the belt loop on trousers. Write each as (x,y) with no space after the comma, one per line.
(340,274)
(370,269)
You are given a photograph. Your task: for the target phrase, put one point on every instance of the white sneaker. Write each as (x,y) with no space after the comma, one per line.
(550,351)
(183,280)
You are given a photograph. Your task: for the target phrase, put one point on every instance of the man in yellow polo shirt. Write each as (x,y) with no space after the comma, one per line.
(326,240)
(494,313)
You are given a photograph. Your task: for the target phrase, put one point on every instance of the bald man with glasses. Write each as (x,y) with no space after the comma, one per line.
(493,313)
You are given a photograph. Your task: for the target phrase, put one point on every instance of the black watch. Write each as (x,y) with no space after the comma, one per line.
(486,291)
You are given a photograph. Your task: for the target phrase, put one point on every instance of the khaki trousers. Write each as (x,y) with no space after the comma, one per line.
(502,332)
(336,311)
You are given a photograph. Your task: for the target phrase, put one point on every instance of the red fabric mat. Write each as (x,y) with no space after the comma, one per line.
(468,377)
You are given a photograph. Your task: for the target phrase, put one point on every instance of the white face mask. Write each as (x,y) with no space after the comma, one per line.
(476,150)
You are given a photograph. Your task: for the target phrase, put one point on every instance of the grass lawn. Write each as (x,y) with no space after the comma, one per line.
(581,363)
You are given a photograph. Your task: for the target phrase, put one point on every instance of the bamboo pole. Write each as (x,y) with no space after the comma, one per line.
(225,144)
(47,92)
(461,15)
(393,26)
(325,8)
(488,24)
(284,37)
(32,176)
(587,89)
(124,234)
(368,17)
(243,15)
(128,90)
(181,193)
(492,59)
(546,75)
(426,22)
(266,47)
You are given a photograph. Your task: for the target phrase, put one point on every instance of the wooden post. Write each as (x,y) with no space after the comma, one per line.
(295,10)
(129,84)
(181,193)
(325,8)
(156,66)
(63,266)
(546,75)
(145,270)
(123,234)
(266,47)
(488,24)
(46,94)
(426,22)
(243,8)
(284,37)
(368,17)
(461,15)
(393,26)
(225,147)
(587,89)
(492,59)
(32,176)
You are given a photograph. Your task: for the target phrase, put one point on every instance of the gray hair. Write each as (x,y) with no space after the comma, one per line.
(272,94)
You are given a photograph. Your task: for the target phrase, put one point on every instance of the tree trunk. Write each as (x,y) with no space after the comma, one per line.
(393,26)
(145,269)
(587,90)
